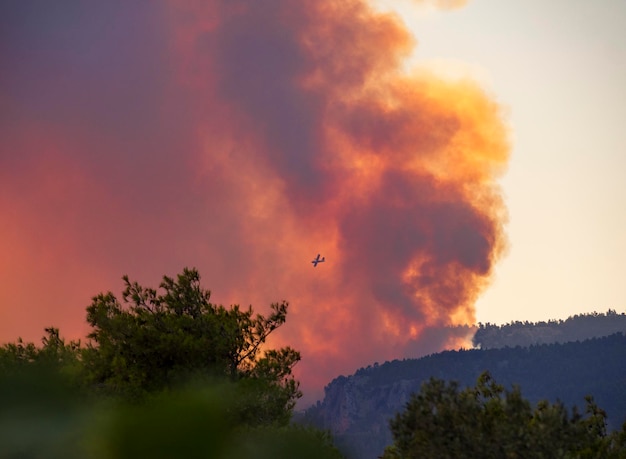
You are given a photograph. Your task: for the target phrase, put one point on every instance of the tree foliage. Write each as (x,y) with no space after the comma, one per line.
(154,340)
(53,354)
(487,421)
(158,339)
(181,376)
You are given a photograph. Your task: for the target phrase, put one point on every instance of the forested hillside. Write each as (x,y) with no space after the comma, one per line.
(357,408)
(575,328)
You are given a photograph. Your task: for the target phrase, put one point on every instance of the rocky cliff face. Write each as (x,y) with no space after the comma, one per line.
(357,411)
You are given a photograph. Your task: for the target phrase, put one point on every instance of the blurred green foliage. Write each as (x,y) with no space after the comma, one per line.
(42,416)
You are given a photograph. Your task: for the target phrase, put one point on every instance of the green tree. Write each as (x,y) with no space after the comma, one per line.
(155,340)
(487,421)
(54,354)
(188,379)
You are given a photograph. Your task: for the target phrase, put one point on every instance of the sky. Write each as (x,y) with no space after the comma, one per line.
(558,68)
(454,162)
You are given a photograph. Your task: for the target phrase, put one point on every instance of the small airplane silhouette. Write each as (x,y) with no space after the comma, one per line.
(318,260)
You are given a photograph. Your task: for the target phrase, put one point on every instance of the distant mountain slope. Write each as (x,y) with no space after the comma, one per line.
(575,328)
(357,408)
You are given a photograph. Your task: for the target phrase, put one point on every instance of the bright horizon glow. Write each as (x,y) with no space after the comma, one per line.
(558,69)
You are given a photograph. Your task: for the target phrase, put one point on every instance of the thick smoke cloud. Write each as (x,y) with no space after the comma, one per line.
(243,138)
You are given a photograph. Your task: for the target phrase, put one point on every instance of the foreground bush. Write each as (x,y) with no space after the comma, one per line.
(487,421)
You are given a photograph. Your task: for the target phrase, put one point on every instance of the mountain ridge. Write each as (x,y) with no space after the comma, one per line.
(357,408)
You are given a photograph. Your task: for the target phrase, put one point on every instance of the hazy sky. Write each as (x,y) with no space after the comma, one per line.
(559,68)
(243,138)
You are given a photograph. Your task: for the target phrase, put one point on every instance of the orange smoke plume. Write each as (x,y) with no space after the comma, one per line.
(243,138)
(390,176)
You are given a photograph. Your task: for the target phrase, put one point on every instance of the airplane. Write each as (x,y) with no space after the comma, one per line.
(318,260)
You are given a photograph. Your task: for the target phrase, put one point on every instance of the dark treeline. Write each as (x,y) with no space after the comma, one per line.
(575,328)
(357,408)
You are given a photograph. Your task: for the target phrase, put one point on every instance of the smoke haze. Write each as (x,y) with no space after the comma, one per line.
(243,138)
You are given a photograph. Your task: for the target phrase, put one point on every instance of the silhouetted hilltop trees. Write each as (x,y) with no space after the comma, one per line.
(575,328)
